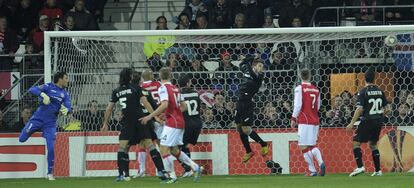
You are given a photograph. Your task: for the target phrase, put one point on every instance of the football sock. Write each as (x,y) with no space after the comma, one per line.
(376,158)
(186,150)
(186,160)
(168,161)
(125,159)
(257,138)
(120,163)
(317,154)
(141,155)
(156,158)
(50,143)
(245,140)
(307,154)
(358,157)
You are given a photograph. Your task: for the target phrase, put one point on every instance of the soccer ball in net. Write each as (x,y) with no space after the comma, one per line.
(390,40)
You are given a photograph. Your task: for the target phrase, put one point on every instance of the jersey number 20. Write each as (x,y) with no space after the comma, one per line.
(376,106)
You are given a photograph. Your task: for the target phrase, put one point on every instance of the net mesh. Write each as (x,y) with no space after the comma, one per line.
(337,61)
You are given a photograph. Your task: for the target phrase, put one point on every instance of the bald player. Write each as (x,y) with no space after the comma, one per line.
(150,90)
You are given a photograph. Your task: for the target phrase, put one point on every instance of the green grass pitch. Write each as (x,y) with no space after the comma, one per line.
(389,180)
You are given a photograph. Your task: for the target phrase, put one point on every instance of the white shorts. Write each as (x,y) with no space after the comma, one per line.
(171,137)
(308,134)
(158,129)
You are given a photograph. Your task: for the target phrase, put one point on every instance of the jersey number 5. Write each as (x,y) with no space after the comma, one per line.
(122,101)
(376,106)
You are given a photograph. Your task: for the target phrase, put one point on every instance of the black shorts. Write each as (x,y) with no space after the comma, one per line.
(244,113)
(152,126)
(134,131)
(192,131)
(368,130)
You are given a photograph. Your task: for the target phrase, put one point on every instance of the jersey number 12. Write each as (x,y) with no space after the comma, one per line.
(192,107)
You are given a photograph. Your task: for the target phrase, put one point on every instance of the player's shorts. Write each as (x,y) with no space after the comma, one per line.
(308,134)
(172,137)
(134,131)
(192,131)
(244,113)
(48,129)
(368,130)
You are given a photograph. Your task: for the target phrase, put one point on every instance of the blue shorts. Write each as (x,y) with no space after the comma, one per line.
(48,129)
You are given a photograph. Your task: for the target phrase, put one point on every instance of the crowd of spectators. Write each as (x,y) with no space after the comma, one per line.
(23,22)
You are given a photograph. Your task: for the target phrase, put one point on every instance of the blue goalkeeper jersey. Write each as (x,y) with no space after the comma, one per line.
(57,95)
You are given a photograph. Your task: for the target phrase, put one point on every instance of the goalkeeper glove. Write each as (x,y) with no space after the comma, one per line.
(63,110)
(46,99)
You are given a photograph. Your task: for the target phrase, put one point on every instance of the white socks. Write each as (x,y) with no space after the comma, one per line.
(141,156)
(186,160)
(317,154)
(309,159)
(168,161)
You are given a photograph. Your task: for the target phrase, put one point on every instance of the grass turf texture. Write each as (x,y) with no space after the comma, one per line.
(389,180)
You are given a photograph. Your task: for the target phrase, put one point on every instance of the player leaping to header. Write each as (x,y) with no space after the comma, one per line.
(252,80)
(370,111)
(305,113)
(173,132)
(54,99)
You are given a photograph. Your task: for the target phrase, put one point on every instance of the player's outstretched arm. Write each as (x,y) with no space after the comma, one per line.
(39,91)
(357,114)
(108,113)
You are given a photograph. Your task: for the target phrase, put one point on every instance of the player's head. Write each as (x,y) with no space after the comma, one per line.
(184,81)
(125,76)
(257,65)
(165,73)
(136,77)
(147,75)
(370,76)
(305,75)
(61,79)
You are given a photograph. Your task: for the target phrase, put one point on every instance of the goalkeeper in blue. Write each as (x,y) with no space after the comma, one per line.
(53,99)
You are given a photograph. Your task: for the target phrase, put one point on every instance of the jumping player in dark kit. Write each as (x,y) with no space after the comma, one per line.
(252,70)
(370,111)
(130,98)
(193,122)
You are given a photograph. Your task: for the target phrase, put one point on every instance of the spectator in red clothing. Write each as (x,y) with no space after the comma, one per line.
(36,36)
(51,11)
(83,19)
(25,17)
(8,44)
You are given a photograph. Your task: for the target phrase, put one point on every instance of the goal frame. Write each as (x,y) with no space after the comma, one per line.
(257,31)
